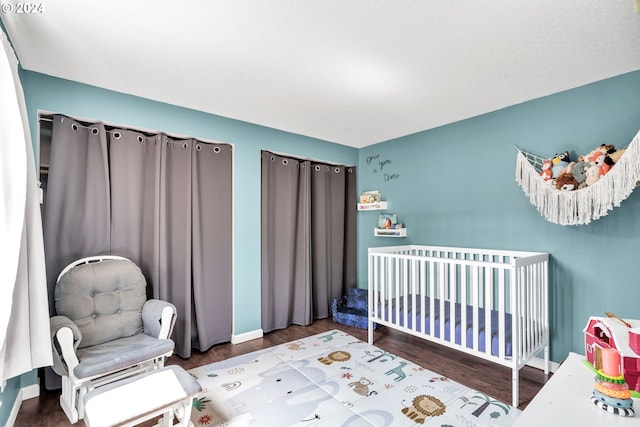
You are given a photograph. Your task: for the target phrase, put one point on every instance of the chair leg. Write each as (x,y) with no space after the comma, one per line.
(82,390)
(68,400)
(183,413)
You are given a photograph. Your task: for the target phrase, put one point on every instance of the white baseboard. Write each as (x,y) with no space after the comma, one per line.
(247,336)
(24,393)
(14,410)
(538,363)
(31,391)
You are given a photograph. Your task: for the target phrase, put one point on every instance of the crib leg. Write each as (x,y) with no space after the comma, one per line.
(546,360)
(516,389)
(370,332)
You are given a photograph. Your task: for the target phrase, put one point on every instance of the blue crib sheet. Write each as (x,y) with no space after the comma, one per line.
(416,314)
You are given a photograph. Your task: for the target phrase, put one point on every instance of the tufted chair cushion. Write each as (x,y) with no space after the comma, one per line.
(104,299)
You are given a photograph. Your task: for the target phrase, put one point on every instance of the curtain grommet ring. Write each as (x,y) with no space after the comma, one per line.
(140,138)
(117,135)
(317,168)
(75,127)
(350,170)
(272,158)
(198,147)
(95,131)
(285,162)
(185,145)
(216,149)
(337,170)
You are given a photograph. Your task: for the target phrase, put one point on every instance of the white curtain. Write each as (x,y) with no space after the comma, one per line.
(24,311)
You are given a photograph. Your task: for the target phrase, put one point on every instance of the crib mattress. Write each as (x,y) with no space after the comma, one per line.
(417,313)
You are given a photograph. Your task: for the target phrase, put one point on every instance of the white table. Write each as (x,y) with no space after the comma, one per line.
(565,400)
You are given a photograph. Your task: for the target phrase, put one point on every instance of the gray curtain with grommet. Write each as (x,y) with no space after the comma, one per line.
(308,240)
(163,202)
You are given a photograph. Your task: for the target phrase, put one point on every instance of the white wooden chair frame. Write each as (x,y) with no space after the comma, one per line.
(74,388)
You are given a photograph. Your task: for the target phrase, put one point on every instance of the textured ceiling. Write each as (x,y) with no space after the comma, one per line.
(350,72)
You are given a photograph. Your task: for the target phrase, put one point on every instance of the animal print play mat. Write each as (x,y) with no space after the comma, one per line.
(334,379)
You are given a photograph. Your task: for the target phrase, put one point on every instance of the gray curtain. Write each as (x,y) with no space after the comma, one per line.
(78,210)
(165,203)
(333,256)
(308,239)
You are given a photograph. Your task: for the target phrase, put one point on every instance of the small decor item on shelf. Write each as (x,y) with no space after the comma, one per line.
(387,221)
(610,391)
(370,196)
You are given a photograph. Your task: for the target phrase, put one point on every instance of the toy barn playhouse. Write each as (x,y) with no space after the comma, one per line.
(622,335)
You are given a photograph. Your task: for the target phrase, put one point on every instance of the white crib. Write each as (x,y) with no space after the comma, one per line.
(504,292)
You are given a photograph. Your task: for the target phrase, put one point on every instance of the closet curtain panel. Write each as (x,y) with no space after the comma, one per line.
(134,170)
(308,239)
(78,211)
(164,203)
(212,261)
(333,212)
(286,242)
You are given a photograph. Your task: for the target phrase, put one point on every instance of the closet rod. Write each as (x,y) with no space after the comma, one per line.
(111,128)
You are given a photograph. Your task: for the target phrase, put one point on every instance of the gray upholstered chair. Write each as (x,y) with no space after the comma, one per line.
(105,329)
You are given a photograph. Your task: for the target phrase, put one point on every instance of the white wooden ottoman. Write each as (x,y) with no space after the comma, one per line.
(168,391)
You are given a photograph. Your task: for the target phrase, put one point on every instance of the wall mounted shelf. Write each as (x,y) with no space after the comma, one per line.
(377,206)
(390,232)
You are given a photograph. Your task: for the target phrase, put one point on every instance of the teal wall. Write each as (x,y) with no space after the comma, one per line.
(10,393)
(455,186)
(7,398)
(63,96)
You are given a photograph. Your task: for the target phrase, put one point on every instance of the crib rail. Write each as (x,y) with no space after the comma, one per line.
(489,303)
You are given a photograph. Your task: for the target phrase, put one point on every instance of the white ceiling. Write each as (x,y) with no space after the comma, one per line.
(354,72)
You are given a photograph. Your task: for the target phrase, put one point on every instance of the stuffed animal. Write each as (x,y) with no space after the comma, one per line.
(560,162)
(566,182)
(602,161)
(579,172)
(592,175)
(602,148)
(546,170)
(616,154)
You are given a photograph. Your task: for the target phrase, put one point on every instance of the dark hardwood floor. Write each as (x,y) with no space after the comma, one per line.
(478,374)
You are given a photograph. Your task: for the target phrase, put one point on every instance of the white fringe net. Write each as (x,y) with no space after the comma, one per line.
(584,205)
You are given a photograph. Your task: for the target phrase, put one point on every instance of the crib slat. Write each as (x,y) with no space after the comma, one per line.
(488,303)
(441,298)
(476,297)
(451,281)
(403,263)
(423,294)
(502,346)
(463,305)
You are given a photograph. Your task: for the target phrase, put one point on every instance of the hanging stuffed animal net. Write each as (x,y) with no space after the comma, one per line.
(586,204)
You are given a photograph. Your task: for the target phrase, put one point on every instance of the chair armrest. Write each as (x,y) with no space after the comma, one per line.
(158,318)
(65,339)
